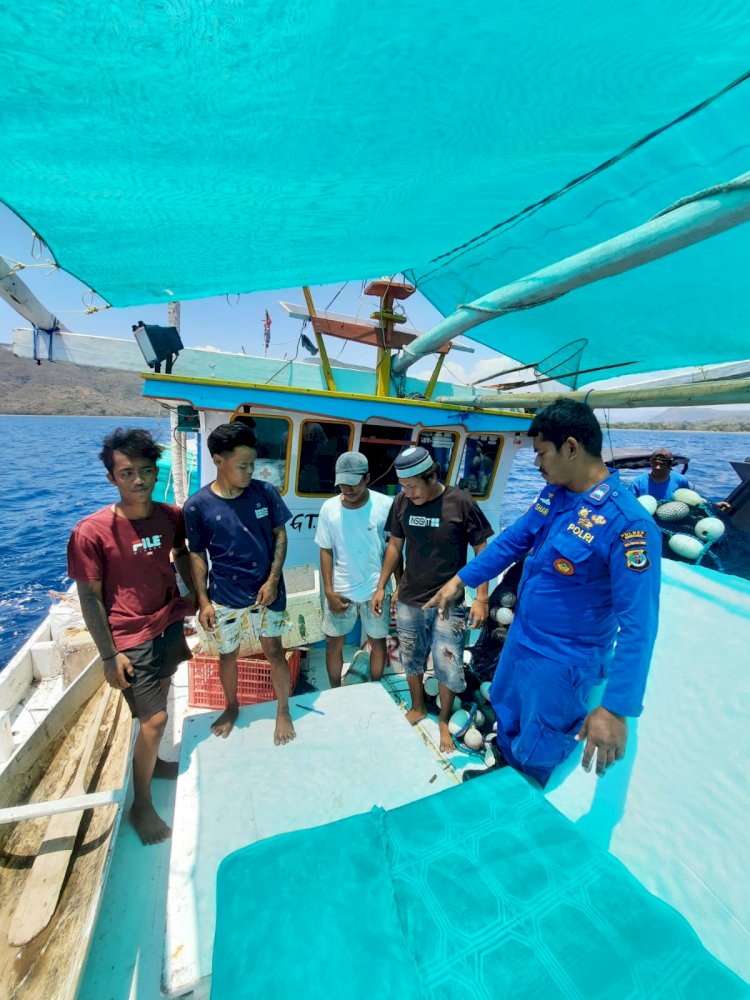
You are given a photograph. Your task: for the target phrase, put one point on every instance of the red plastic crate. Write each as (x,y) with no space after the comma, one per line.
(253,680)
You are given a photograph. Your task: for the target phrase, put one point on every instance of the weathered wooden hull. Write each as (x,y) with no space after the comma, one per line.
(50,965)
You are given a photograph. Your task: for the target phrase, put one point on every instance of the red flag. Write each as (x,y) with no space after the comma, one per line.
(267,330)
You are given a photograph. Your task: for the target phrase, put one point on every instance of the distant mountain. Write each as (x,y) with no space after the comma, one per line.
(699,414)
(63,389)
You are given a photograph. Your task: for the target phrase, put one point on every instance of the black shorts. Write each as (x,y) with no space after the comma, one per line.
(152,662)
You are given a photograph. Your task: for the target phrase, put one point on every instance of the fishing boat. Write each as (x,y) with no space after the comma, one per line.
(601,255)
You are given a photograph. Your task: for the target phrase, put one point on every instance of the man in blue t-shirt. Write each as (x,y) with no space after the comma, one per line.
(660,482)
(238,522)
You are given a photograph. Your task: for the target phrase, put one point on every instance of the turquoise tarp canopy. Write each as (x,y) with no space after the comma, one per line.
(184,150)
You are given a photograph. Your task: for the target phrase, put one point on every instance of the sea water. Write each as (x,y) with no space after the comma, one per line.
(51,477)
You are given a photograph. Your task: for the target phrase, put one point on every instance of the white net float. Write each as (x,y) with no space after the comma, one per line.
(458,720)
(456,703)
(709,529)
(484,689)
(431,686)
(508,600)
(686,546)
(473,739)
(648,503)
(690,497)
(673,510)
(503,616)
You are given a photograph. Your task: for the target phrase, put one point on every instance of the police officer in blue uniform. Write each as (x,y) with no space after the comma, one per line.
(587,607)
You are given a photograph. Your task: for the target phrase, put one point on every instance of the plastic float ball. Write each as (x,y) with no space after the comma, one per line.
(479,718)
(685,546)
(467,657)
(649,503)
(673,510)
(709,529)
(508,600)
(503,616)
(690,497)
(473,739)
(431,686)
(456,703)
(500,633)
(484,690)
(458,720)
(494,726)
(489,757)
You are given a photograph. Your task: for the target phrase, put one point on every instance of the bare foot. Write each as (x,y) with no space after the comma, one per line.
(166,769)
(148,824)
(284,732)
(446,740)
(225,723)
(415,715)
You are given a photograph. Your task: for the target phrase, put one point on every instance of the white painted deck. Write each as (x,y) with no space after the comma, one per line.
(358,753)
(244,796)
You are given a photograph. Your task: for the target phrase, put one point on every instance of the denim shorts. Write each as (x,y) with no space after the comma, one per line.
(233,625)
(376,628)
(423,632)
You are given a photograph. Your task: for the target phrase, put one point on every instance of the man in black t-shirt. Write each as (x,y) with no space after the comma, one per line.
(438,522)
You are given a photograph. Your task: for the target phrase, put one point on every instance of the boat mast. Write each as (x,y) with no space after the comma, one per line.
(178,438)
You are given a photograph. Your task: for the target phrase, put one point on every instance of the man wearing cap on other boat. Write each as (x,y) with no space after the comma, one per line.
(660,482)
(120,560)
(438,523)
(591,577)
(352,539)
(239,523)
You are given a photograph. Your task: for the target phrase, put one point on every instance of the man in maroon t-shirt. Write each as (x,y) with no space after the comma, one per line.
(120,560)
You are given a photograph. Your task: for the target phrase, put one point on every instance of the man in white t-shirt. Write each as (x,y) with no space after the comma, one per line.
(352,539)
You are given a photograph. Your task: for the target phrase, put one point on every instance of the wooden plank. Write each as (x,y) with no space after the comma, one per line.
(44,884)
(50,965)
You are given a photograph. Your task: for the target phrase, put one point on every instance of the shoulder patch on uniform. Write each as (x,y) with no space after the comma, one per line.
(598,494)
(637,560)
(633,537)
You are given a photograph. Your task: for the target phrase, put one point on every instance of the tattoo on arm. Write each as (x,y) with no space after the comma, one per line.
(279,553)
(95,615)
(199,569)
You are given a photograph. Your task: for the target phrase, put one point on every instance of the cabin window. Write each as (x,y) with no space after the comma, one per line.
(272,434)
(479,463)
(381,444)
(442,446)
(320,444)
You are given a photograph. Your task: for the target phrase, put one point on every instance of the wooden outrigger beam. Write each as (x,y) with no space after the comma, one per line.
(690,221)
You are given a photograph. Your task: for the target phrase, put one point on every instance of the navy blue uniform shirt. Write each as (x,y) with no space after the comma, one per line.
(238,536)
(591,577)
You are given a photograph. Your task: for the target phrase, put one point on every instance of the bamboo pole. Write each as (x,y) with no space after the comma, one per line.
(692,394)
(707,215)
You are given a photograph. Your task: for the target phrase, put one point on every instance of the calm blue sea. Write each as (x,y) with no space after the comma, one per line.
(50,477)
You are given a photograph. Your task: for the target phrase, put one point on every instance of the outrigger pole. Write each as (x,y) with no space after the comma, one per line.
(691,220)
(693,394)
